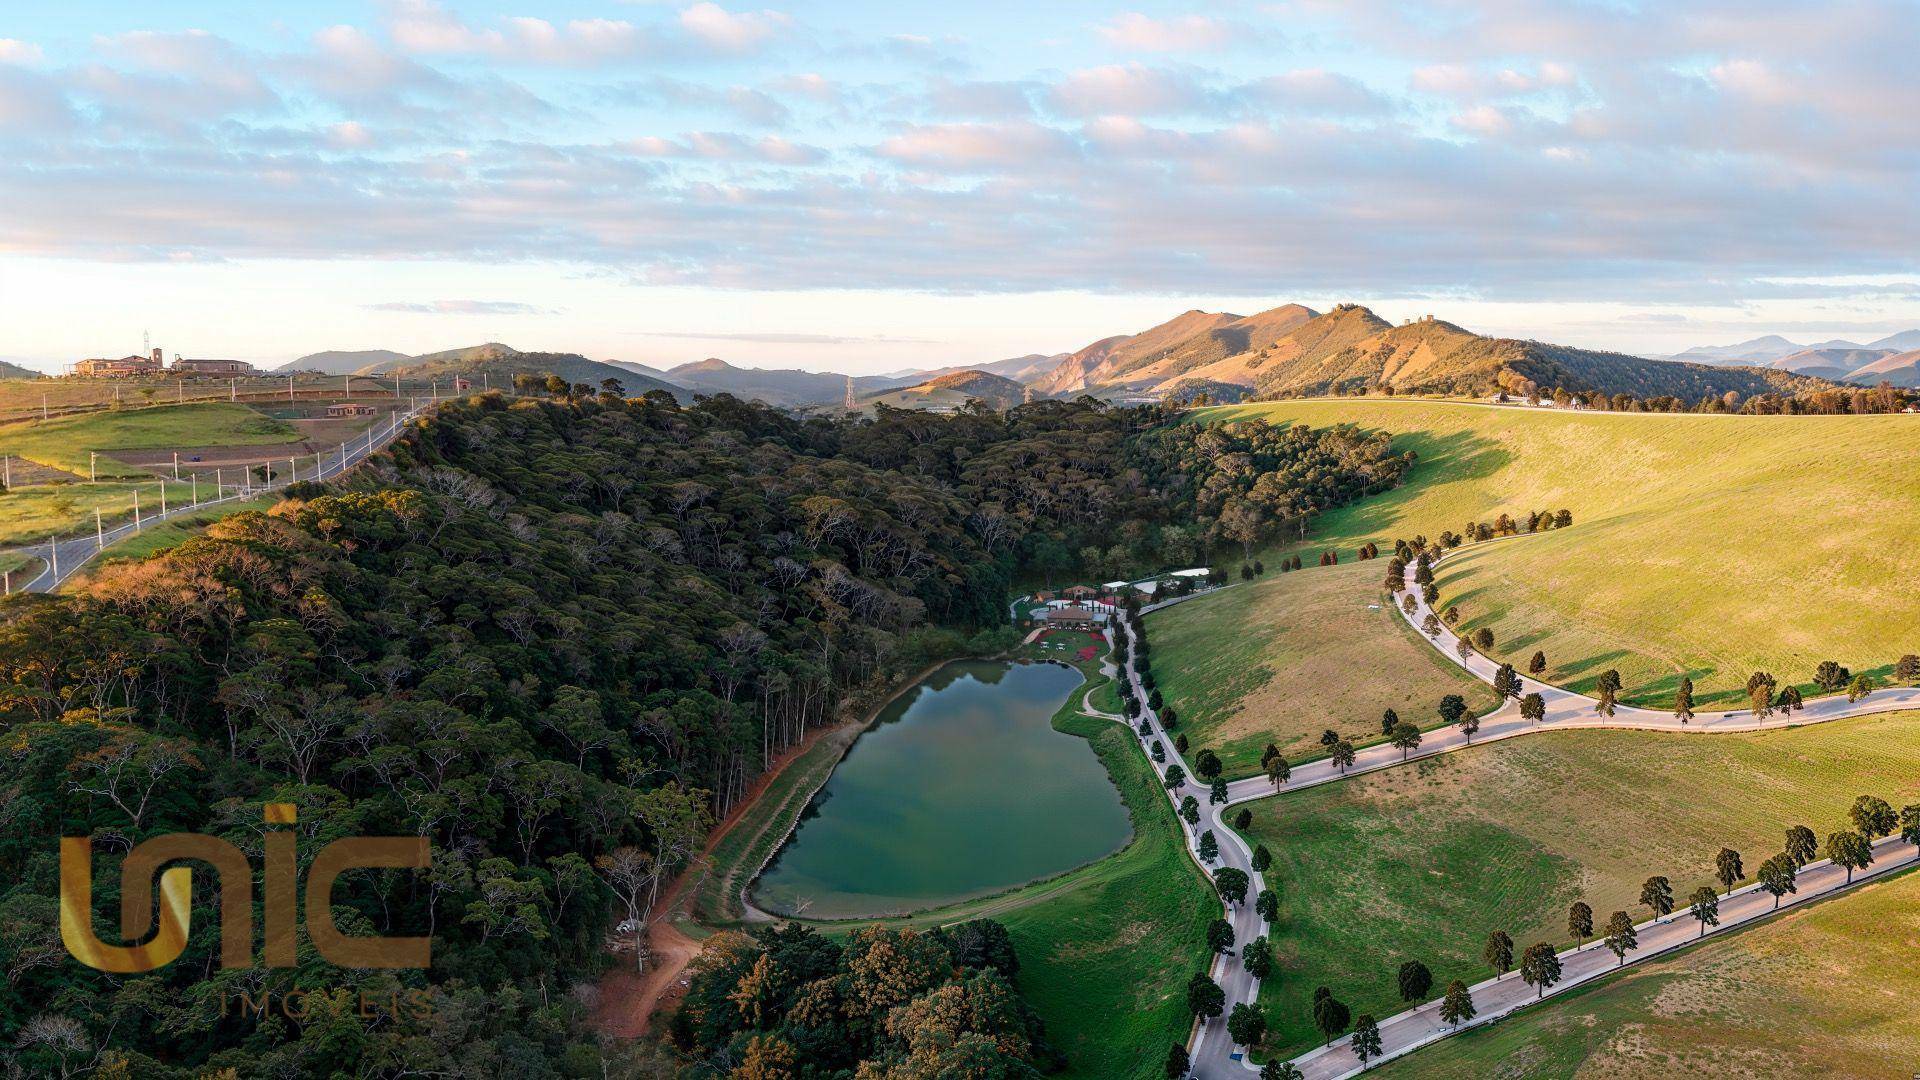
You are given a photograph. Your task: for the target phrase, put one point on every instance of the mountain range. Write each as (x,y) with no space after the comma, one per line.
(1894,358)
(1293,349)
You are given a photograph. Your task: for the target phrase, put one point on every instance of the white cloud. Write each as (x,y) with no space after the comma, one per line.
(23,53)
(1184,33)
(1124,89)
(974,146)
(732,32)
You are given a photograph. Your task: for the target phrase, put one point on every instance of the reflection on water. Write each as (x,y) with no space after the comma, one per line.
(961,789)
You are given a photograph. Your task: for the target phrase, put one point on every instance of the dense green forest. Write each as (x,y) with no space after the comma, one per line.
(556,638)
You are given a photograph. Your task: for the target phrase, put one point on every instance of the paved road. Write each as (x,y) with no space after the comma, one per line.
(71,553)
(1212,1052)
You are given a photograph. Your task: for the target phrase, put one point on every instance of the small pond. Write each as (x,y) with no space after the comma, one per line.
(961,789)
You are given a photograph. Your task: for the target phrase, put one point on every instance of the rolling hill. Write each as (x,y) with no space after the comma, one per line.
(952,390)
(784,387)
(1900,369)
(500,363)
(15,371)
(1828,363)
(1760,350)
(342,361)
(1292,351)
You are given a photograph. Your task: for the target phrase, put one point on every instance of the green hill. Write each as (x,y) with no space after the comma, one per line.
(343,362)
(15,371)
(1705,545)
(953,390)
(500,363)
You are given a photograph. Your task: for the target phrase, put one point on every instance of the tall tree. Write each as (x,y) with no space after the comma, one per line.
(1343,755)
(1706,907)
(1683,701)
(1872,817)
(1657,894)
(1205,999)
(1537,665)
(1366,1039)
(1330,1015)
(1540,967)
(1231,883)
(1533,708)
(1247,1024)
(1621,936)
(1851,850)
(1726,867)
(1177,1063)
(1580,921)
(1406,737)
(1776,876)
(1457,1008)
(1498,952)
(1910,824)
(1802,846)
(1415,981)
(1606,692)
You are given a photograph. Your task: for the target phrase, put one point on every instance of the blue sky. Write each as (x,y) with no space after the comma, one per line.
(875,186)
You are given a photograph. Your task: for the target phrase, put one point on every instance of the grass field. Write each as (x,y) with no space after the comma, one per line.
(1822,992)
(23,398)
(176,530)
(1291,655)
(30,514)
(1705,545)
(1422,862)
(64,442)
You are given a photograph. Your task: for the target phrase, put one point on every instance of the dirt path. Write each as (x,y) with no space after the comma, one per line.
(628,999)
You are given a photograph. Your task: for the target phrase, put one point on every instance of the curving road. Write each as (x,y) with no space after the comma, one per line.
(1212,1052)
(60,559)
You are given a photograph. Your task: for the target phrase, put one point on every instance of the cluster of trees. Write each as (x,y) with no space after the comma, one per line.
(788,1002)
(1817,399)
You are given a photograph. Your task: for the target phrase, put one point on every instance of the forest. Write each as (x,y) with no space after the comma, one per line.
(558,639)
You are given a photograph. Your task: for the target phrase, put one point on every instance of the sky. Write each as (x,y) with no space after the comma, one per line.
(868,187)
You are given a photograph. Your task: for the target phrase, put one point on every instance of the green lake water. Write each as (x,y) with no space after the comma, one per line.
(961,789)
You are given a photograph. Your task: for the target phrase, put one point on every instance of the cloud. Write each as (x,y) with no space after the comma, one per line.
(24,53)
(1125,90)
(733,32)
(723,146)
(460,307)
(1135,32)
(1314,91)
(975,146)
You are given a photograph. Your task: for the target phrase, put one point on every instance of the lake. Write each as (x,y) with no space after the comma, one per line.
(961,789)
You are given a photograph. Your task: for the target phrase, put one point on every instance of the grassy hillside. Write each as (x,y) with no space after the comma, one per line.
(1286,657)
(1709,546)
(952,390)
(1422,862)
(15,371)
(64,442)
(1819,992)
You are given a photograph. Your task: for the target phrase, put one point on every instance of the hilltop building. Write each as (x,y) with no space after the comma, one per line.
(125,367)
(225,368)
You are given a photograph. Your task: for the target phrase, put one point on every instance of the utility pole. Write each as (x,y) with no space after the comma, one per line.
(293,471)
(43,404)
(233,390)
(196,491)
(136,509)
(99,532)
(53,557)
(289,388)
(163,498)
(93,472)
(176,464)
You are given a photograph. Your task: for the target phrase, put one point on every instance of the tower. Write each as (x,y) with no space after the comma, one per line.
(852,405)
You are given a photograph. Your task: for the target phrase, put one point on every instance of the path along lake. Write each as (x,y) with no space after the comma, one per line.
(961,789)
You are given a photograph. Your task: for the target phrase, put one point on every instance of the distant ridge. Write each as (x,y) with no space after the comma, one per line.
(340,362)
(954,389)
(15,371)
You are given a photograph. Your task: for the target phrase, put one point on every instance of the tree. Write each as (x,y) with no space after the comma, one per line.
(1506,684)
(1278,771)
(1776,876)
(1262,858)
(1910,824)
(1452,708)
(1207,764)
(1683,700)
(1580,921)
(1329,737)
(1483,640)
(1706,907)
(1205,999)
(1860,687)
(1726,867)
(1388,721)
(1907,668)
(1330,1016)
(1464,648)
(1851,850)
(1499,952)
(1257,955)
(1176,776)
(1830,676)
(1217,791)
(1177,1063)
(1190,810)
(1415,981)
(1209,847)
(1243,820)
(1430,625)
(1457,1007)
(1621,937)
(1231,883)
(1657,894)
(1366,1039)
(1247,1024)
(1533,708)
(1406,737)
(1607,692)
(1540,967)
(1872,817)
(1343,755)
(1538,664)
(1760,686)
(1802,847)
(1276,1069)
(1267,904)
